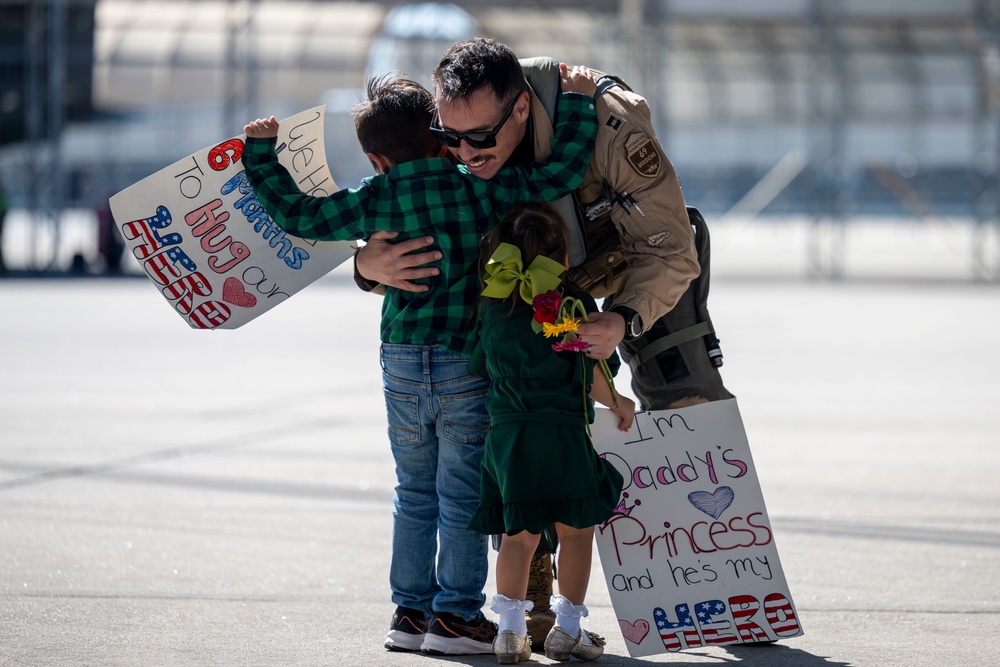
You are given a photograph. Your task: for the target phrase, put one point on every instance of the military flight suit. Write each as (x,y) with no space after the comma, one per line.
(640,246)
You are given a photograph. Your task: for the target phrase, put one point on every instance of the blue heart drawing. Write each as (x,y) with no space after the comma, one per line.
(712,504)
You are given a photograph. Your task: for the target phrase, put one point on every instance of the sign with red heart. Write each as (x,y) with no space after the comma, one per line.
(199,233)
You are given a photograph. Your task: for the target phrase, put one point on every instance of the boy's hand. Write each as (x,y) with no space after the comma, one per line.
(625,410)
(262,128)
(577,79)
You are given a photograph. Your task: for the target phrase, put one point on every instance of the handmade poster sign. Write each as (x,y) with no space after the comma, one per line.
(689,555)
(200,235)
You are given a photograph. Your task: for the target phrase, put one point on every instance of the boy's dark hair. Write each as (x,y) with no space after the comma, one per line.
(536,228)
(394,120)
(468,66)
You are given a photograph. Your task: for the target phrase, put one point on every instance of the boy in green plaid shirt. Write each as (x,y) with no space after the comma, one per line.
(436,411)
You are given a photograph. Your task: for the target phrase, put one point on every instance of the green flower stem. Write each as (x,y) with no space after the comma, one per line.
(576,306)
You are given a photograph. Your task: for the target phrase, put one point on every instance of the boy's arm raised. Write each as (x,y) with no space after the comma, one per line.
(338,217)
(575,134)
(262,128)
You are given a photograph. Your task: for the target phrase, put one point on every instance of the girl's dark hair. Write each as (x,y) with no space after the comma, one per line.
(536,228)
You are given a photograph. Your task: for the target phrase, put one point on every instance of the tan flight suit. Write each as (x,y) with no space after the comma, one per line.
(642,252)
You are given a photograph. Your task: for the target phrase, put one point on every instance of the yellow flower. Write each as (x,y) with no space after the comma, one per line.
(559,328)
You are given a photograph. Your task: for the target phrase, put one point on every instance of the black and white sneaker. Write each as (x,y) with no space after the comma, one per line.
(407,631)
(449,634)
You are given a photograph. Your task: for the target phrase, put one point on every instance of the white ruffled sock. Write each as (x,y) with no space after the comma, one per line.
(511,613)
(568,616)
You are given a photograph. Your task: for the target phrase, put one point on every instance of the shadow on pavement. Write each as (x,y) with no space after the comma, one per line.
(779,654)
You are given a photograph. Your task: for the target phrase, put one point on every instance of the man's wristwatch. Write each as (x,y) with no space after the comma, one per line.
(633,323)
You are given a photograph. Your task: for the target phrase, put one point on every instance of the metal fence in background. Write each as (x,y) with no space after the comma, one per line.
(829,109)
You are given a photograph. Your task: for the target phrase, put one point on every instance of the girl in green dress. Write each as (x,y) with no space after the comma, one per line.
(540,468)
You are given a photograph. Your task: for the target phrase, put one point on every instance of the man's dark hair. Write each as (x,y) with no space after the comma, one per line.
(394,120)
(468,66)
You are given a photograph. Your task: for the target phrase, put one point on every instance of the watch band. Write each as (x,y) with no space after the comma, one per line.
(633,323)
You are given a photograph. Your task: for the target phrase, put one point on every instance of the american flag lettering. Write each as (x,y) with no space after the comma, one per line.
(209,315)
(744,607)
(671,631)
(707,628)
(712,630)
(145,229)
(185,289)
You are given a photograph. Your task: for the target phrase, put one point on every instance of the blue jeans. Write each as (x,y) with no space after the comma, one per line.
(437,429)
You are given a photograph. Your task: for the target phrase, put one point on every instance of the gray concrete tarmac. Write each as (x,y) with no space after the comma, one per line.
(174,497)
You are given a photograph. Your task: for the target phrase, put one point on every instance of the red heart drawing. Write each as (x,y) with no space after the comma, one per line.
(234,293)
(634,632)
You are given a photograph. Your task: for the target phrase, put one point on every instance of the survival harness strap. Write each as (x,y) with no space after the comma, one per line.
(699,290)
(671,340)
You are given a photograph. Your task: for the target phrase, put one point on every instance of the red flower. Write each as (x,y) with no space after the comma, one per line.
(547,307)
(574,345)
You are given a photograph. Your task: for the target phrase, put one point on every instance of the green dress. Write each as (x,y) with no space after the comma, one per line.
(539,466)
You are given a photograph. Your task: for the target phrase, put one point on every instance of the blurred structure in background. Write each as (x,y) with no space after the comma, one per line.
(46,68)
(829,109)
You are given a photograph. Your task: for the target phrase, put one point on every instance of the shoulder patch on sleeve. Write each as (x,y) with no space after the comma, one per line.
(643,155)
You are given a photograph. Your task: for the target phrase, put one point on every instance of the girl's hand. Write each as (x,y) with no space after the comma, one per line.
(577,79)
(625,410)
(262,128)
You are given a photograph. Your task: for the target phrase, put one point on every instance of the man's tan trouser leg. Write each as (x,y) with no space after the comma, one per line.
(541,618)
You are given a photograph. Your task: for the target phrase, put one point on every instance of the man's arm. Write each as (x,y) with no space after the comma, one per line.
(649,214)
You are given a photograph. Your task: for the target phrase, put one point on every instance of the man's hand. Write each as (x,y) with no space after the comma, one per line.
(262,128)
(577,79)
(389,264)
(604,332)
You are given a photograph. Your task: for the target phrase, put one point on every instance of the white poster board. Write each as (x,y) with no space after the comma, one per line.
(689,556)
(201,236)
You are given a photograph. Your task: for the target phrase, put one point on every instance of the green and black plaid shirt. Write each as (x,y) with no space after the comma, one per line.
(429,197)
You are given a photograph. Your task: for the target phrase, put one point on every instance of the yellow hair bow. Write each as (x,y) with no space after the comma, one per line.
(504,271)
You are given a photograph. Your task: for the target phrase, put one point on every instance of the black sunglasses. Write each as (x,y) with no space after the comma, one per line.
(474,139)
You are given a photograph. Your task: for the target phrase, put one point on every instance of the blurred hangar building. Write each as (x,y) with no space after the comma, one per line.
(831,108)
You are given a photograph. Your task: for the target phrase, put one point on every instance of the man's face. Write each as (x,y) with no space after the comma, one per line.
(481,113)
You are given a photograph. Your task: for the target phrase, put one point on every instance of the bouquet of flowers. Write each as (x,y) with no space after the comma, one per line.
(555,315)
